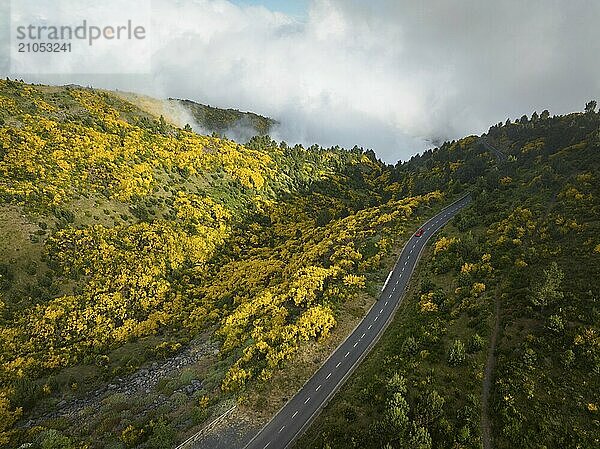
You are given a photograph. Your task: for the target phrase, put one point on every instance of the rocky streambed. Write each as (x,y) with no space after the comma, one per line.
(143,381)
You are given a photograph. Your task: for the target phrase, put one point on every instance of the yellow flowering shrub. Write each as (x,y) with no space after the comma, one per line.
(443,244)
(426,303)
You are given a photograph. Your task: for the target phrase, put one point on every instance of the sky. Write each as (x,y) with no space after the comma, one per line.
(297,9)
(395,76)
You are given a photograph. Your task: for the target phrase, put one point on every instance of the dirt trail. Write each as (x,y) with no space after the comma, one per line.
(487,380)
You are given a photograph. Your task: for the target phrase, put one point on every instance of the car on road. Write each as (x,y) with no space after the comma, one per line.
(419,233)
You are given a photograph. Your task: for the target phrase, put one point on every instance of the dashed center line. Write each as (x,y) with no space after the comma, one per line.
(376,318)
(386,303)
(355,345)
(307,399)
(267,445)
(381,311)
(347,354)
(281,430)
(338,365)
(318,388)
(328,376)
(370,326)
(295,413)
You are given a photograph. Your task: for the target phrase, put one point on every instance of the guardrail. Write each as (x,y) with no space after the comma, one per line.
(194,438)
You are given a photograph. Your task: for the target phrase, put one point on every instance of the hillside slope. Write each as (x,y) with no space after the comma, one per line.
(230,123)
(133,248)
(125,240)
(527,250)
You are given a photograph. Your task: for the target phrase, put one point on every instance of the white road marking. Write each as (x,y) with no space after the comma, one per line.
(387,279)
(318,388)
(355,345)
(267,445)
(328,376)
(281,430)
(405,262)
(402,269)
(347,354)
(386,303)
(390,296)
(295,413)
(307,399)
(338,365)
(376,318)
(370,326)
(381,311)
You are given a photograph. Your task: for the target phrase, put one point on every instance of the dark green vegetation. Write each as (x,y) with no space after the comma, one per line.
(228,121)
(531,242)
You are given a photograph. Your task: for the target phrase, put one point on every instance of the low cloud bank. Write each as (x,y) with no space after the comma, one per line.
(386,74)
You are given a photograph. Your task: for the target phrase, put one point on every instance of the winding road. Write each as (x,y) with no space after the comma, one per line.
(290,422)
(495,151)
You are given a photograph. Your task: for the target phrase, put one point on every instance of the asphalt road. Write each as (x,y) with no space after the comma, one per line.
(289,423)
(499,154)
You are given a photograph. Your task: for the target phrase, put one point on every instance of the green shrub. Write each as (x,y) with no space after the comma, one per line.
(53,439)
(410,346)
(476,343)
(178,398)
(456,354)
(556,324)
(162,436)
(568,358)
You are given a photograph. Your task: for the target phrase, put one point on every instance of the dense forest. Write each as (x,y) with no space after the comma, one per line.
(125,241)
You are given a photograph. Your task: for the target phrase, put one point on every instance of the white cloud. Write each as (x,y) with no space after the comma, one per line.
(383,74)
